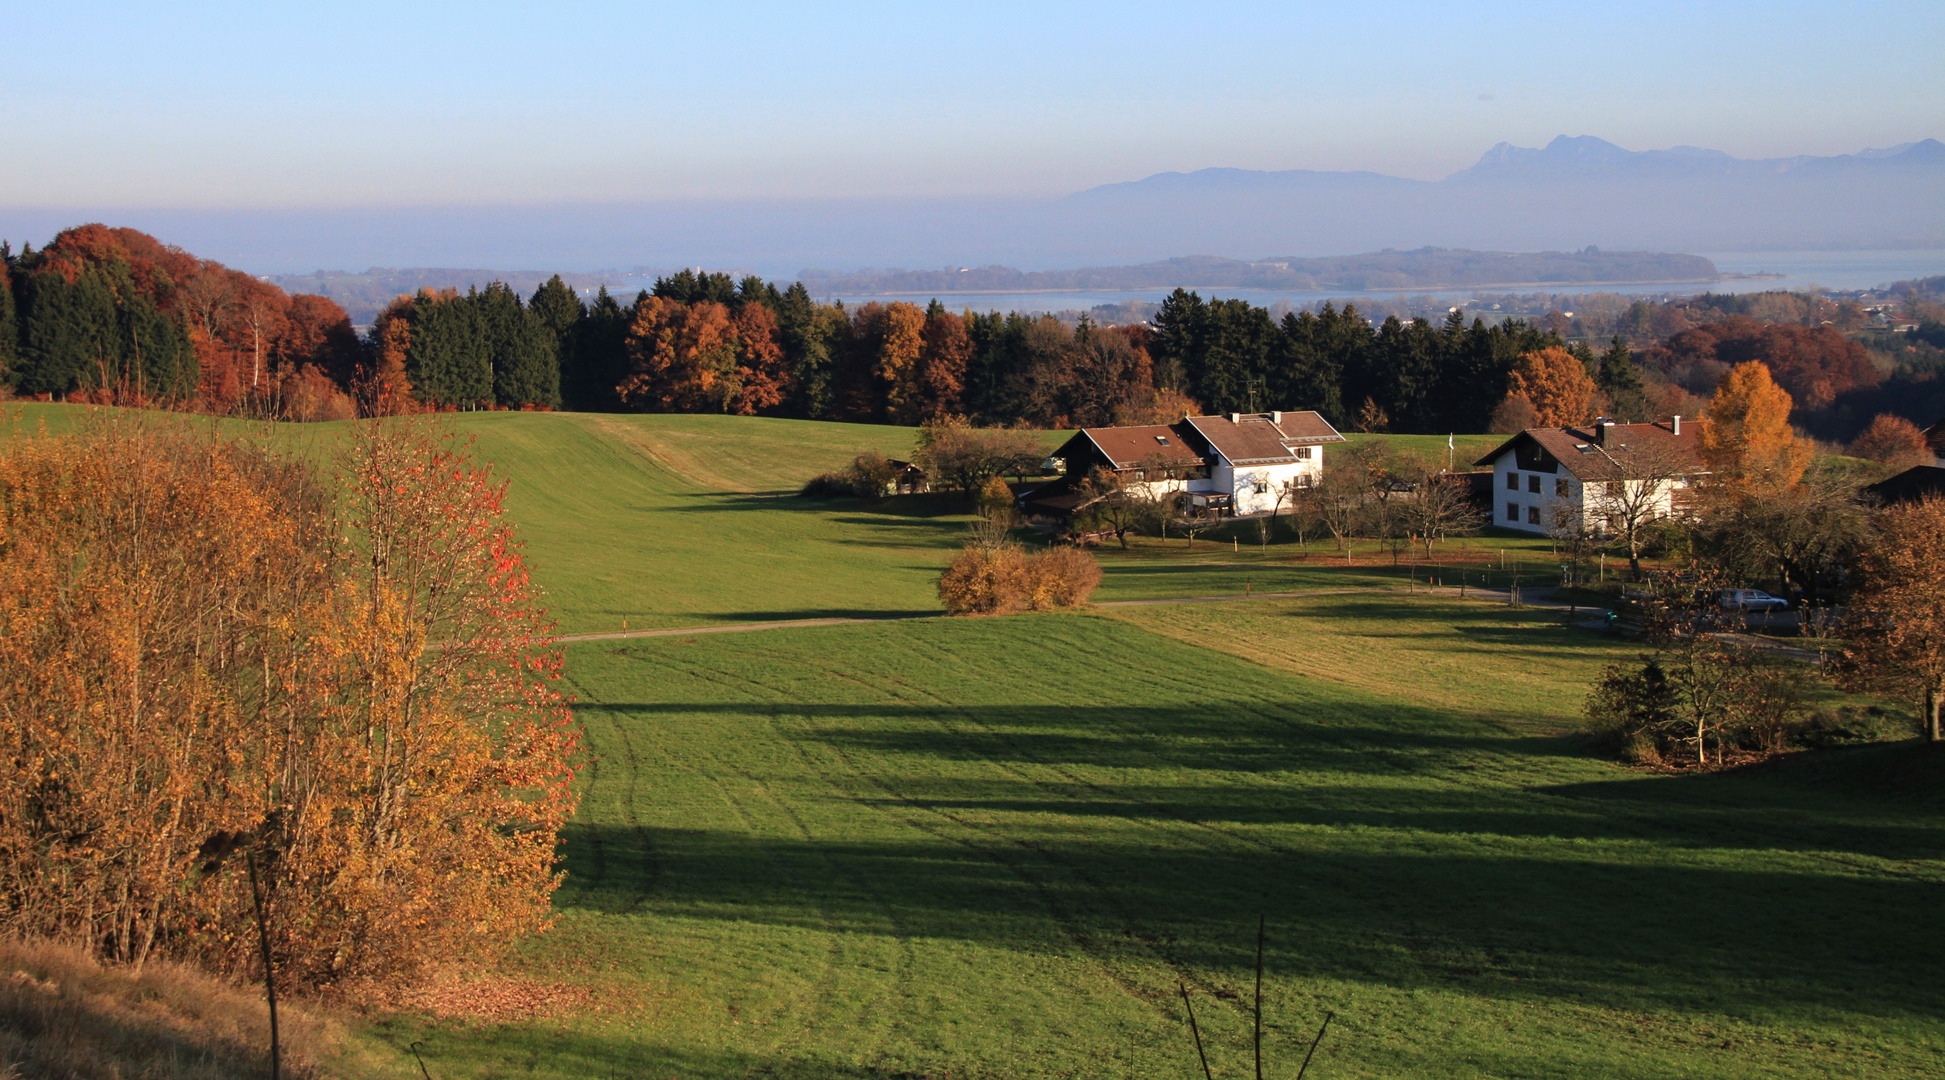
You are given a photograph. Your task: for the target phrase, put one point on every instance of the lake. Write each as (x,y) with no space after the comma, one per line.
(1837,270)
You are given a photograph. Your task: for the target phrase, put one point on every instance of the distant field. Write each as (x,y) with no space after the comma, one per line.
(669,521)
(994,846)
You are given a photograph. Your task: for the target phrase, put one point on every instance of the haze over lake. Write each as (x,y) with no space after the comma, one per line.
(1799,270)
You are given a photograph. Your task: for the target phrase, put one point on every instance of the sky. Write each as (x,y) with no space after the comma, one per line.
(351,104)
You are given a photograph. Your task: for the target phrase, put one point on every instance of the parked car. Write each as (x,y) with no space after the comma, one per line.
(1752,600)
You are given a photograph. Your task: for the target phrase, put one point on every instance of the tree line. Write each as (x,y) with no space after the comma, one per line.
(106,314)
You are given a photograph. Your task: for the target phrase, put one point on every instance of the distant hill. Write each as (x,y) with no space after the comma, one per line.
(1424,268)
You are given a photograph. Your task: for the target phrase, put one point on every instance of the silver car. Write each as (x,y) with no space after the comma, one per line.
(1752,600)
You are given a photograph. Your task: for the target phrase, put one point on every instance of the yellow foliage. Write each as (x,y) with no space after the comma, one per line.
(1746,437)
(207,656)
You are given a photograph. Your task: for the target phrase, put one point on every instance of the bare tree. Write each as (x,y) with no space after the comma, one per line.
(1635,488)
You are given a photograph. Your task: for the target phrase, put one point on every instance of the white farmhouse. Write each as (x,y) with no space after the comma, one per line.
(1544,478)
(1235,464)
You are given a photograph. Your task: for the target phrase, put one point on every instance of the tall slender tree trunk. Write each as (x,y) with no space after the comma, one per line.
(1932,702)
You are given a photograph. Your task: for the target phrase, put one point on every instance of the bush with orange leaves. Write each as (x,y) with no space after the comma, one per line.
(997,579)
(209,658)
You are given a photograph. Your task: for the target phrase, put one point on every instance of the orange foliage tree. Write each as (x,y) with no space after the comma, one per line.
(1893,441)
(1896,625)
(1746,437)
(947,350)
(683,356)
(1557,385)
(205,648)
(900,336)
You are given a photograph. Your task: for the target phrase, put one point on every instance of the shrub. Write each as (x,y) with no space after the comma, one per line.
(995,579)
(1061,577)
(985,579)
(865,478)
(995,499)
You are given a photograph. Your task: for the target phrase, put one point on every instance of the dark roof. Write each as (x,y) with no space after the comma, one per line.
(1128,447)
(1261,438)
(1593,455)
(1911,485)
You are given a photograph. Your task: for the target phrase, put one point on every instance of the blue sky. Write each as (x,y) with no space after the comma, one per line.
(419,104)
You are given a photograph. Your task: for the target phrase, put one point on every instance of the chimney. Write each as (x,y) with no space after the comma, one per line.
(1235,418)
(1676,425)
(1276,417)
(1606,426)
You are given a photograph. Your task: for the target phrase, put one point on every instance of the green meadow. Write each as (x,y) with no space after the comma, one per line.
(997,847)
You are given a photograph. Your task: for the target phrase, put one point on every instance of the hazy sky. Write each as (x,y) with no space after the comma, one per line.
(364,104)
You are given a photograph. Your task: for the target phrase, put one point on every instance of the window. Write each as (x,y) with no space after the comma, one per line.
(1512,511)
(1162,439)
(1260,485)
(1617,488)
(1512,481)
(1560,488)
(1303,453)
(1533,484)
(1303,479)
(1532,515)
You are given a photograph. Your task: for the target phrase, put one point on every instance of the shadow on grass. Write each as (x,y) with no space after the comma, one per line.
(1629,931)
(1400,768)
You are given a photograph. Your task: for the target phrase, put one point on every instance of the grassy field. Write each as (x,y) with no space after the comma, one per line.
(671,521)
(994,847)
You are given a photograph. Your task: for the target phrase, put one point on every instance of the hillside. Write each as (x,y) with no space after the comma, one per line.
(995,847)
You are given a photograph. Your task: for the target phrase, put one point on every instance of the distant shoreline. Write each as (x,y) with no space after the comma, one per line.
(1256,288)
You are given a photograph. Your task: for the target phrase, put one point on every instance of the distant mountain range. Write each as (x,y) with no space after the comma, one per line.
(1575,160)
(1424,268)
(1571,193)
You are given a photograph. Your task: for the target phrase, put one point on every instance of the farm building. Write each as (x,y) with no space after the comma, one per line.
(1545,477)
(1242,463)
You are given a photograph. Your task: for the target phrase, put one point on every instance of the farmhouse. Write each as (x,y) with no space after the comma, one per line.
(1547,478)
(1242,463)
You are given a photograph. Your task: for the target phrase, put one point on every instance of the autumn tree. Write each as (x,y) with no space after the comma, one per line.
(947,349)
(1894,441)
(1746,438)
(683,357)
(1896,623)
(763,377)
(898,332)
(1557,384)
(208,650)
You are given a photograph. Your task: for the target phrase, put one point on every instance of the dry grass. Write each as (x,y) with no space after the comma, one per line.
(64,1015)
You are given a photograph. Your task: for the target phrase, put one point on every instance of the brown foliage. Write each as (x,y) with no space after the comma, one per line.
(204,649)
(1514,414)
(997,579)
(762,376)
(1896,625)
(701,358)
(1557,385)
(247,334)
(1894,441)
(942,364)
(1814,364)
